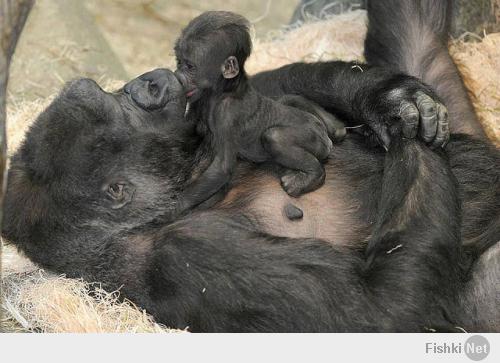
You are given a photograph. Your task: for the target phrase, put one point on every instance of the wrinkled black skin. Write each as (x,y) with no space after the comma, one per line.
(238,121)
(214,270)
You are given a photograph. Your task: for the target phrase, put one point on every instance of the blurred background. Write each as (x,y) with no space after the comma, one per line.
(120,39)
(117,39)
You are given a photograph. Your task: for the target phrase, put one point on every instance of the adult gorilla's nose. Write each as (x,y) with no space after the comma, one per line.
(180,77)
(152,90)
(126,88)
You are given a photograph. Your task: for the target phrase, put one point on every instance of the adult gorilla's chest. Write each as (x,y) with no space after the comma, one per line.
(330,213)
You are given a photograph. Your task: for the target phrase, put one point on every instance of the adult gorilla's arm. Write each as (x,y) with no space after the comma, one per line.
(217,274)
(363,94)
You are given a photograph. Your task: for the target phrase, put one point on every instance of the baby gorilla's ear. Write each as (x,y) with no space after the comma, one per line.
(230,68)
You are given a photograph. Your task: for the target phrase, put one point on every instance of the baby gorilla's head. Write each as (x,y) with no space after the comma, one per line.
(211,53)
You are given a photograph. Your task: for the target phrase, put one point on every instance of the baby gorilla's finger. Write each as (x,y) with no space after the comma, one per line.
(409,115)
(443,130)
(428,115)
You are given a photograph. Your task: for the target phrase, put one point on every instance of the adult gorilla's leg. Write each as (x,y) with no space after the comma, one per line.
(475,164)
(214,272)
(412,36)
(418,46)
(479,302)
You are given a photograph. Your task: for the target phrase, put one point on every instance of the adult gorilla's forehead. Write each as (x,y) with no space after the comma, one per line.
(68,134)
(85,127)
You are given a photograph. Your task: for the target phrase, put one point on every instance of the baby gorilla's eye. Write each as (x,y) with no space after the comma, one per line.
(115,190)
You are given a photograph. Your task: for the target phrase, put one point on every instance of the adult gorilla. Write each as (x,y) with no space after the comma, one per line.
(91,190)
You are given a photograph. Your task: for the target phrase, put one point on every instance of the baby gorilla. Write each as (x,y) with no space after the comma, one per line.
(294,133)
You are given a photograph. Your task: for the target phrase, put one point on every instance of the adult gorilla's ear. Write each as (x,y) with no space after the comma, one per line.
(118,193)
(230,68)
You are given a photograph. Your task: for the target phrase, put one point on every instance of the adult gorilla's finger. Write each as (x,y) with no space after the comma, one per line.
(428,116)
(409,115)
(443,129)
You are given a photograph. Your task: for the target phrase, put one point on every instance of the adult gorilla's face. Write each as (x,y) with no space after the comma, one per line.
(97,163)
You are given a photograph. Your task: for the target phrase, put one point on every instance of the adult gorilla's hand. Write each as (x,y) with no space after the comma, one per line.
(404,106)
(390,104)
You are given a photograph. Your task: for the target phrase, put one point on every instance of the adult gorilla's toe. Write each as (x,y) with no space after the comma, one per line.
(429,116)
(443,129)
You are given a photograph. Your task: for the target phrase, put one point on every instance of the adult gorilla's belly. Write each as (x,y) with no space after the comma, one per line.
(337,212)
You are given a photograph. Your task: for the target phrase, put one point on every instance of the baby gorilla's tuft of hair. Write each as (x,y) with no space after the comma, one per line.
(230,29)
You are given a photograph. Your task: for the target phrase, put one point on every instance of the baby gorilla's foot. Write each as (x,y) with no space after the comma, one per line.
(296,183)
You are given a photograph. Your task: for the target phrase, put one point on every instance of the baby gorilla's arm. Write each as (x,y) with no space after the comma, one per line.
(213,178)
(217,174)
(335,128)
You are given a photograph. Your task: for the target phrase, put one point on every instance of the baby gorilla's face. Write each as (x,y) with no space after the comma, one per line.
(210,51)
(197,76)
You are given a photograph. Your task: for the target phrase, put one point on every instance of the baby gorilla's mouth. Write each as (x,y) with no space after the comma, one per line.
(191,93)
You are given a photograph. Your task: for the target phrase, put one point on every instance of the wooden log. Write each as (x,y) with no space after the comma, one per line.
(13,15)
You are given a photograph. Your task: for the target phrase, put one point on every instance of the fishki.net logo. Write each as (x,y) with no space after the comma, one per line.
(475,348)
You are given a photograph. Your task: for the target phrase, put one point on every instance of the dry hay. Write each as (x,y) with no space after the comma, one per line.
(479,63)
(340,37)
(39,301)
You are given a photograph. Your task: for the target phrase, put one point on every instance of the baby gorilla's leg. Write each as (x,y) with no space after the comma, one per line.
(291,147)
(335,128)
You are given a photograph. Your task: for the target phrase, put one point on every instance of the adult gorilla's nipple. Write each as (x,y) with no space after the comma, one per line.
(293,212)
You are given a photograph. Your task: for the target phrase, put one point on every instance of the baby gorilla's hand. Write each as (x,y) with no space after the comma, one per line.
(404,106)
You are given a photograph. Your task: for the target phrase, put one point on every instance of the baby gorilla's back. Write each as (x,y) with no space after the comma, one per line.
(292,133)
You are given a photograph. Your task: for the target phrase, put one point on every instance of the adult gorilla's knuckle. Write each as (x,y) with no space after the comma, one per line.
(442,111)
(410,114)
(428,107)
(273,135)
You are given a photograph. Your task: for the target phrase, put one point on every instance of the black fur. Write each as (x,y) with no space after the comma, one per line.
(217,270)
(239,122)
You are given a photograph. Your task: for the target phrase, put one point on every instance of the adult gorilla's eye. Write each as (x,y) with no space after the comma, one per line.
(115,190)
